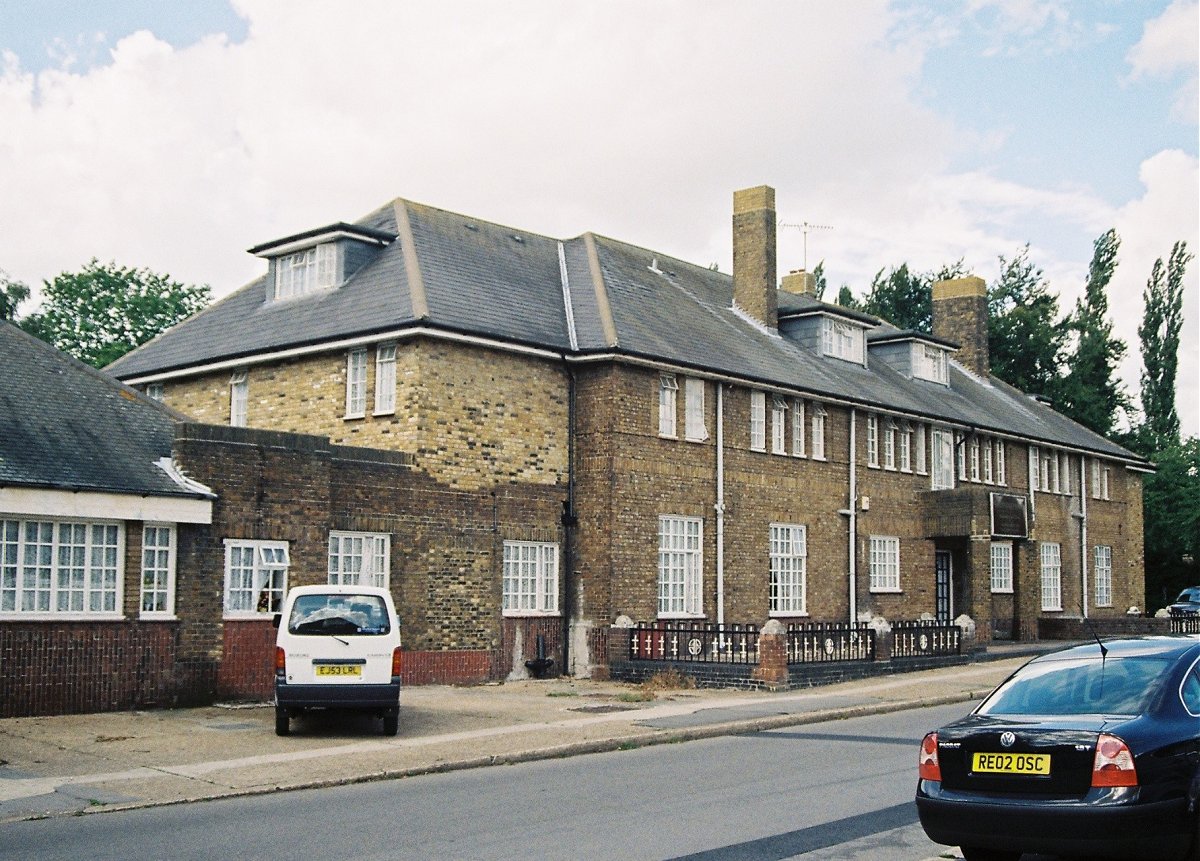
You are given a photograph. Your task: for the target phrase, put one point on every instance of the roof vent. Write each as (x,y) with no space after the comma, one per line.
(471,226)
(520,239)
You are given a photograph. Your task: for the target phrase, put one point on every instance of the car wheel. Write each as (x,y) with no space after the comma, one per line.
(974,853)
(391,722)
(282,723)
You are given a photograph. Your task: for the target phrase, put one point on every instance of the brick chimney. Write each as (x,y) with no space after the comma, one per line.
(960,314)
(800,282)
(754,254)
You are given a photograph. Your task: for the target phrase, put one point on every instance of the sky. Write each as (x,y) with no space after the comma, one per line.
(174,136)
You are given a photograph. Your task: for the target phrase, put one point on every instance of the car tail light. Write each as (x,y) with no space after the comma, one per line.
(280,661)
(395,661)
(928,767)
(1113,765)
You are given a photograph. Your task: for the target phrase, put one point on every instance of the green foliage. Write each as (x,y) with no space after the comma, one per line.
(1090,392)
(819,281)
(1171,496)
(846,299)
(1025,339)
(905,298)
(103,311)
(12,294)
(1162,319)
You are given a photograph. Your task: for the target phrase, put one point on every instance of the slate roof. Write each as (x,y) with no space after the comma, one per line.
(67,426)
(458,274)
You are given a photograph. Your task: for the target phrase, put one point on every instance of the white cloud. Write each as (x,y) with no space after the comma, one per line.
(1169,48)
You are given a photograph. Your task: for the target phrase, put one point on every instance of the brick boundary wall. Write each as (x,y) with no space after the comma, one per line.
(1121,626)
(247,668)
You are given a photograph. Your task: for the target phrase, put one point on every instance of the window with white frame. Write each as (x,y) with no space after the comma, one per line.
(668,391)
(817,441)
(154,391)
(797,427)
(530,578)
(930,363)
(56,566)
(884,563)
(1051,575)
(1050,477)
(256,574)
(889,444)
(920,449)
(960,455)
(758,421)
(158,570)
(1002,566)
(1103,557)
(360,558)
(906,437)
(680,566)
(306,271)
(942,467)
(974,456)
(693,402)
(873,441)
(1001,466)
(694,428)
(1100,478)
(1035,469)
(843,340)
(385,379)
(1064,469)
(778,425)
(239,399)
(789,553)
(988,476)
(356,384)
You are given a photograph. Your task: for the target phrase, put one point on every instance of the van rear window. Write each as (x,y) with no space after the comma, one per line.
(341,615)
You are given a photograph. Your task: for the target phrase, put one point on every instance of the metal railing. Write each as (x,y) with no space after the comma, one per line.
(1185,624)
(697,642)
(925,639)
(829,642)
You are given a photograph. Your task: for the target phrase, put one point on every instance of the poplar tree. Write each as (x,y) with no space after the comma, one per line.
(1025,340)
(1162,319)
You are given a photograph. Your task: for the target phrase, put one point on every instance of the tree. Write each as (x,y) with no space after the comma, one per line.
(903,298)
(1171,496)
(846,299)
(1090,392)
(12,294)
(1162,319)
(1025,341)
(820,284)
(103,311)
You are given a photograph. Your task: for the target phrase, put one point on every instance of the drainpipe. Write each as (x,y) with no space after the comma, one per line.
(1083,536)
(851,513)
(720,506)
(569,521)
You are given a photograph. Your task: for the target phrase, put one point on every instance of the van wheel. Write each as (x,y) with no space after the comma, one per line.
(391,722)
(281,722)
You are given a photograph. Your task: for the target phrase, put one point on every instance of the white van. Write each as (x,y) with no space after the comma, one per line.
(337,647)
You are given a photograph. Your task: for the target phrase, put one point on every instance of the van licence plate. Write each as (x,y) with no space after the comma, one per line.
(339,669)
(1011,763)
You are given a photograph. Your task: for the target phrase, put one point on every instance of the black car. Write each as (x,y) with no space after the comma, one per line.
(1092,751)
(1187,604)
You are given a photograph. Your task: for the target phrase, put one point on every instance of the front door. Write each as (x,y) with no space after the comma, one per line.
(944,596)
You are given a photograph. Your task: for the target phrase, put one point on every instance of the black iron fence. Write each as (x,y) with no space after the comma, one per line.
(827,642)
(1185,624)
(925,639)
(700,642)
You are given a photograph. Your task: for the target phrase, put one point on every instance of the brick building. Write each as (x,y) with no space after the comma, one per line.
(586,430)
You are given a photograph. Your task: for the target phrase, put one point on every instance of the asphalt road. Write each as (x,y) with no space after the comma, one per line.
(842,789)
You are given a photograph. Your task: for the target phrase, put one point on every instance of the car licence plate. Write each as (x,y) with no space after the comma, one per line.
(339,669)
(1011,763)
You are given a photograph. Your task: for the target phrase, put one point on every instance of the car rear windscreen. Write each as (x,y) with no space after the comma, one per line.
(1109,686)
(341,615)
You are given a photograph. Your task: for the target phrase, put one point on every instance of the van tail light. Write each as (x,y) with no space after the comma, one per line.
(280,661)
(928,767)
(1113,765)
(396,662)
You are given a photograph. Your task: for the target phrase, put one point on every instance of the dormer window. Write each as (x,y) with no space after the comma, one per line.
(930,363)
(306,271)
(843,341)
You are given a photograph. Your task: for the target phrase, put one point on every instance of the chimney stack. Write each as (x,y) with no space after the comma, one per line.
(960,314)
(800,282)
(754,254)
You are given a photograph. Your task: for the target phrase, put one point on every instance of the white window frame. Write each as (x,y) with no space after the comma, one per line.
(942,456)
(960,456)
(61,569)
(1095,478)
(530,580)
(906,440)
(929,363)
(157,600)
(842,340)
(884,563)
(154,391)
(973,455)
(668,389)
(360,559)
(1105,475)
(694,429)
(789,569)
(1035,468)
(988,474)
(385,379)
(889,445)
(680,567)
(266,564)
(758,421)
(1102,556)
(778,424)
(306,271)
(873,441)
(819,413)
(798,434)
(1002,567)
(356,383)
(239,398)
(1051,582)
(921,464)
(1001,465)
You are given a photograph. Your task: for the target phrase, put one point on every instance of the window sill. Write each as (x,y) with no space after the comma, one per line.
(158,617)
(348,417)
(241,616)
(1008,591)
(53,616)
(390,412)
(676,617)
(780,614)
(662,435)
(878,591)
(695,439)
(531,614)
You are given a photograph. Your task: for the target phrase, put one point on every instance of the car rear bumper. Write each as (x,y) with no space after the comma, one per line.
(1133,831)
(338,696)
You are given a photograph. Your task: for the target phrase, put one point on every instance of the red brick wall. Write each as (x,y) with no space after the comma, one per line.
(247,669)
